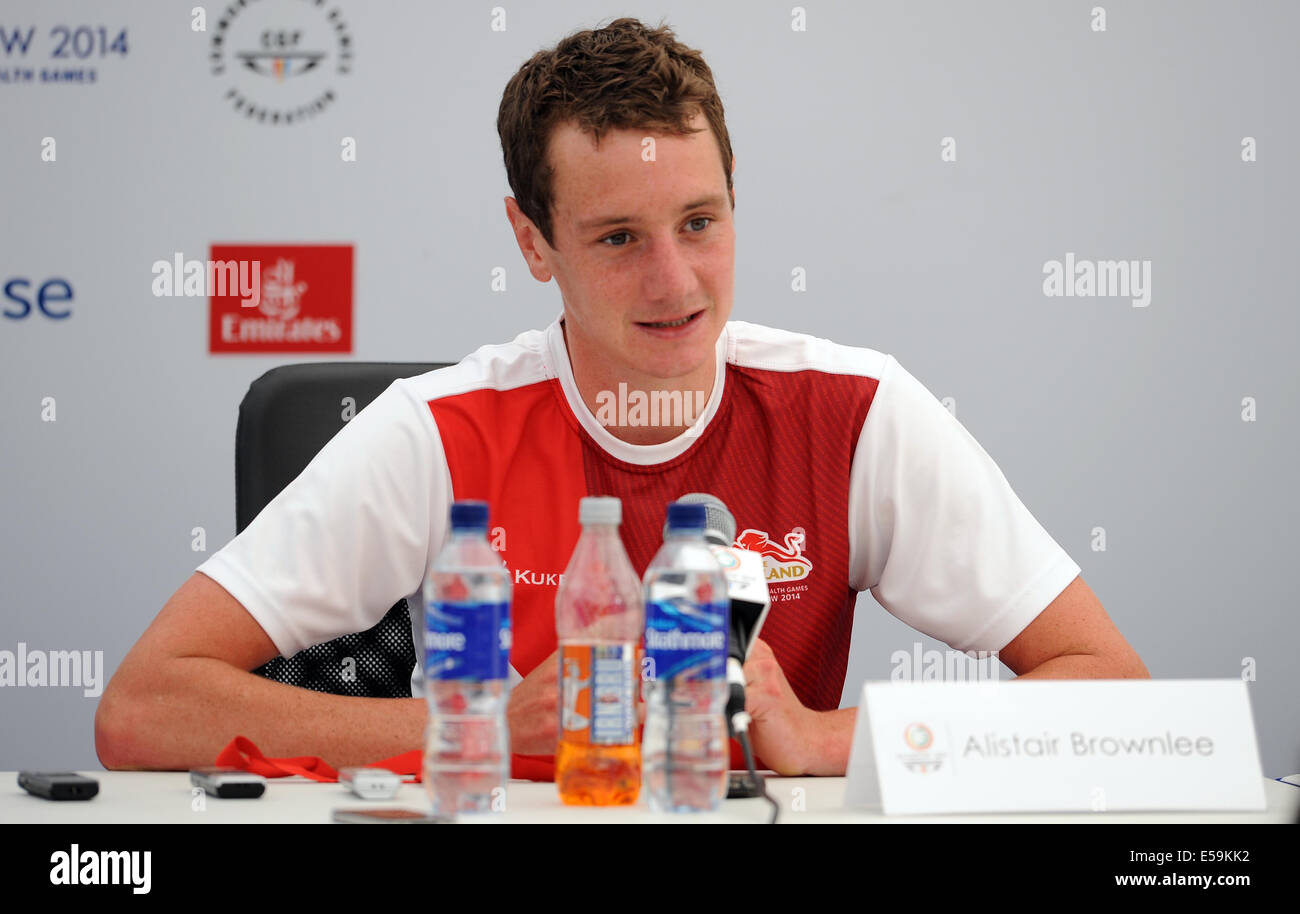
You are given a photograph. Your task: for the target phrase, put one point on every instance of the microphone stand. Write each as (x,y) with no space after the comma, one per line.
(738,721)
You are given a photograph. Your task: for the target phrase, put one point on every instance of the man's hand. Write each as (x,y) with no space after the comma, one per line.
(533,710)
(784,733)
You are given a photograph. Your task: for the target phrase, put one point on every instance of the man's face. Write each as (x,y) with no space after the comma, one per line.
(645,251)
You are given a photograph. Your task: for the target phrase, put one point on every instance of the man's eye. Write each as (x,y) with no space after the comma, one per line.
(705,219)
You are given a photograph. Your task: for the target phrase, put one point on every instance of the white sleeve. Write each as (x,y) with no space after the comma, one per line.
(936,532)
(351,535)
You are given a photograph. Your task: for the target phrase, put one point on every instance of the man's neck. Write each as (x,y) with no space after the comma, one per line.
(624,404)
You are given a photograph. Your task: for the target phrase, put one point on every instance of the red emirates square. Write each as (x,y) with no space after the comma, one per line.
(271,298)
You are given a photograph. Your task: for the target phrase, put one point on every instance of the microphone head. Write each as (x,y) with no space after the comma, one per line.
(716,516)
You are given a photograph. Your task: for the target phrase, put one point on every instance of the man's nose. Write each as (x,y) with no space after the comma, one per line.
(670,273)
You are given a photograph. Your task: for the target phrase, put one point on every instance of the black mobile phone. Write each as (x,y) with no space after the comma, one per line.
(228,783)
(62,785)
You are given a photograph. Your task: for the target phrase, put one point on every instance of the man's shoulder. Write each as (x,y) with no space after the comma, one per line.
(772,349)
(522,362)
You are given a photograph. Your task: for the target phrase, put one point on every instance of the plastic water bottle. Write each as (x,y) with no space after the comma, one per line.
(466,669)
(685,748)
(599,618)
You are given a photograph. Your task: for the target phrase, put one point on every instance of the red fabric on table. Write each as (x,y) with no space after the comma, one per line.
(244,755)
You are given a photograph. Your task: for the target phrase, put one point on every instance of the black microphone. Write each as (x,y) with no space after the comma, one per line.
(745,572)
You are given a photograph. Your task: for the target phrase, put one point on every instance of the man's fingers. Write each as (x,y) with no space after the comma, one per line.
(532,709)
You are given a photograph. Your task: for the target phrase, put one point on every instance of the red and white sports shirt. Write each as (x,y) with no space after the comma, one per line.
(838,465)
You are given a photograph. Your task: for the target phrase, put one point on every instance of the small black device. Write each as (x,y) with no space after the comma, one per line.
(58,786)
(741,786)
(228,783)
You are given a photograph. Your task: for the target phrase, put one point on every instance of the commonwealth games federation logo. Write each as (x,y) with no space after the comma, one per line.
(918,736)
(921,759)
(281,60)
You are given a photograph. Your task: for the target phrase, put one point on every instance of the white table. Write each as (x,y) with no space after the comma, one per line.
(166,797)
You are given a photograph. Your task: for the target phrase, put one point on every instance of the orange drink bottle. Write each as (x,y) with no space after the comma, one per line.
(599,624)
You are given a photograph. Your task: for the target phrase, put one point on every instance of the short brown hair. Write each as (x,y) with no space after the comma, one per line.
(624,75)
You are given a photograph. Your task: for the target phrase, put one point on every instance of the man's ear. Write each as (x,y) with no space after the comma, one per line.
(528,238)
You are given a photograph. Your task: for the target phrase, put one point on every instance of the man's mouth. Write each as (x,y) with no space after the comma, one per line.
(668,325)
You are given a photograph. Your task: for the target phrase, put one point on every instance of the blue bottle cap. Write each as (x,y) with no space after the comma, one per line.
(469,515)
(686,517)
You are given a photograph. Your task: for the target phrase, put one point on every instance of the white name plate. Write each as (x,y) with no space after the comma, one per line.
(1063,745)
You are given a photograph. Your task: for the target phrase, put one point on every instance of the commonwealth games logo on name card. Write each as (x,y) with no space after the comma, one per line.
(918,737)
(922,759)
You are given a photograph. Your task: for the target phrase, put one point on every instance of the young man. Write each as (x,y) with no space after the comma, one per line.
(836,462)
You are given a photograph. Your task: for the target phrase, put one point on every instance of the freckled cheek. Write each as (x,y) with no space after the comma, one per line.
(721,286)
(721,263)
(608,300)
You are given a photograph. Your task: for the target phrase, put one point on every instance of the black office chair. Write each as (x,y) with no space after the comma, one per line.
(286,417)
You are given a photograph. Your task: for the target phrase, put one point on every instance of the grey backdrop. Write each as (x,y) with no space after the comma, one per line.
(1122,144)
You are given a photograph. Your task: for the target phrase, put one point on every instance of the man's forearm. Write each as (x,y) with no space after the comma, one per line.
(1088,666)
(190,708)
(835,736)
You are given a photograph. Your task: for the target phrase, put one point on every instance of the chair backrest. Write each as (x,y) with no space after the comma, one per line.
(286,417)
